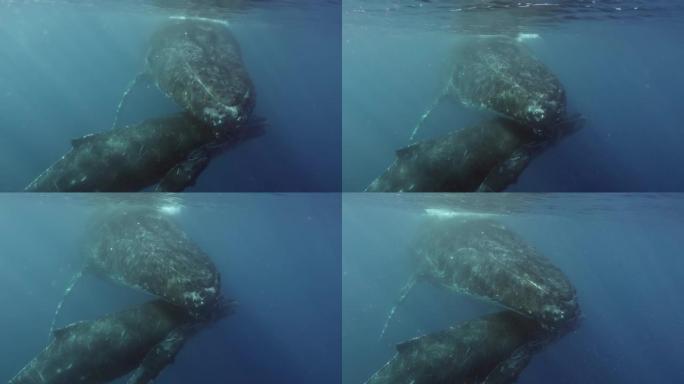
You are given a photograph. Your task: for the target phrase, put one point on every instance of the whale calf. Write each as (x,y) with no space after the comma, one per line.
(143,339)
(488,156)
(165,153)
(131,158)
(490,349)
(485,259)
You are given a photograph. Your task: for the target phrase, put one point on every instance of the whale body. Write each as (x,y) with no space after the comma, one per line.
(99,351)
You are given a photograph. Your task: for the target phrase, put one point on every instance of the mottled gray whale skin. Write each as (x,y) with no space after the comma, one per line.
(488,156)
(143,248)
(485,259)
(491,349)
(482,258)
(146,338)
(501,74)
(168,152)
(198,64)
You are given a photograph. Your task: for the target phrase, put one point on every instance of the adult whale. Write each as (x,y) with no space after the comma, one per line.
(198,63)
(485,259)
(500,74)
(143,248)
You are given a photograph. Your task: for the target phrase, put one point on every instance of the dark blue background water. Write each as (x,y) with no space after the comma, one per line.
(622,253)
(63,69)
(279,256)
(621,70)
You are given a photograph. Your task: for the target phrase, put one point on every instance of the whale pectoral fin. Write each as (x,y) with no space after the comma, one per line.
(408,287)
(508,370)
(158,358)
(72,283)
(443,95)
(184,174)
(506,173)
(141,78)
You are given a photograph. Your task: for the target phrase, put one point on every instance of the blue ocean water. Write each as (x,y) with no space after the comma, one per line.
(621,252)
(278,255)
(619,61)
(65,64)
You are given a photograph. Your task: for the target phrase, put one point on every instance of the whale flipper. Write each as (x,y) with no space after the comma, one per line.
(508,370)
(184,174)
(158,358)
(141,78)
(408,287)
(446,92)
(72,283)
(507,172)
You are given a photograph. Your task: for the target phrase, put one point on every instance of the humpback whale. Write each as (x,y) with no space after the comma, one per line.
(139,247)
(168,153)
(487,156)
(491,349)
(501,74)
(144,249)
(143,339)
(498,74)
(484,259)
(198,63)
